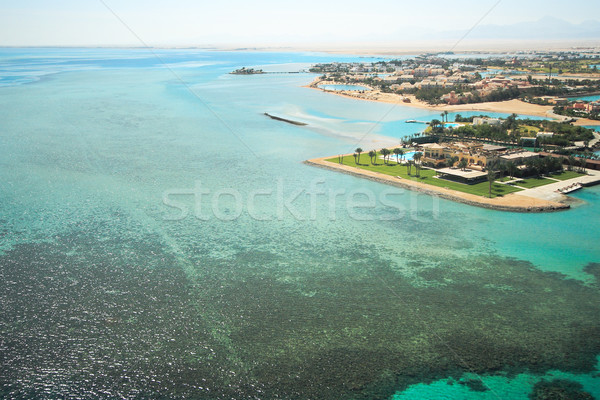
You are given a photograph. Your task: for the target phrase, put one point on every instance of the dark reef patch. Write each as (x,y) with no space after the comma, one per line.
(559,389)
(475,385)
(594,270)
(120,317)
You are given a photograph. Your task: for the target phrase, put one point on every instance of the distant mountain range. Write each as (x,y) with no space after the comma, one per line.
(547,28)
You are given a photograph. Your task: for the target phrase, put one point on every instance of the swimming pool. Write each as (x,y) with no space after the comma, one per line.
(452,124)
(405,157)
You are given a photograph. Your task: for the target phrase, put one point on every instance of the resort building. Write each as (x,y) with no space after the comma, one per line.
(476,154)
(553,100)
(519,157)
(467,176)
(450,98)
(488,121)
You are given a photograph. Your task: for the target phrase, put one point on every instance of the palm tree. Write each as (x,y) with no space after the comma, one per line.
(491,175)
(446,114)
(511,168)
(417,157)
(511,122)
(563,161)
(442,115)
(463,164)
(398,152)
(385,153)
(532,168)
(582,163)
(358,151)
(453,160)
(408,166)
(372,154)
(572,160)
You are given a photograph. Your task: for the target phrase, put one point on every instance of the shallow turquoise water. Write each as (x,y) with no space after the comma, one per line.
(257,271)
(515,388)
(344,87)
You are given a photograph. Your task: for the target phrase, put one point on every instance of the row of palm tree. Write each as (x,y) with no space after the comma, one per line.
(386,153)
(572,161)
(417,160)
(399,153)
(408,139)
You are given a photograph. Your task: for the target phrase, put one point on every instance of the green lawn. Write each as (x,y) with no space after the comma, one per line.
(563,176)
(393,169)
(533,182)
(530,129)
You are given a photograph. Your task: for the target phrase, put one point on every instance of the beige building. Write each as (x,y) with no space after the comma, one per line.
(488,121)
(474,153)
(519,157)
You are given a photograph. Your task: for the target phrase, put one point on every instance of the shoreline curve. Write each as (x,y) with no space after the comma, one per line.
(512,202)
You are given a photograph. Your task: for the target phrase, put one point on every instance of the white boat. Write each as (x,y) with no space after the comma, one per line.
(571,188)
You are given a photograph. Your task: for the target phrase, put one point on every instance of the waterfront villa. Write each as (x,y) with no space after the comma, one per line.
(477,155)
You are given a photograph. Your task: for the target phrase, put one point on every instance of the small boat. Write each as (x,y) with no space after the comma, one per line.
(571,188)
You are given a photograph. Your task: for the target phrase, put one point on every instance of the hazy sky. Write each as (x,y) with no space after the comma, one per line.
(187,22)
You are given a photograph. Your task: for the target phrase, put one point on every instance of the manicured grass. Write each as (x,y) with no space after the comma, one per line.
(533,182)
(427,176)
(506,179)
(563,176)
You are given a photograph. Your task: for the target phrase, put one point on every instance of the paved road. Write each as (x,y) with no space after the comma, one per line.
(549,192)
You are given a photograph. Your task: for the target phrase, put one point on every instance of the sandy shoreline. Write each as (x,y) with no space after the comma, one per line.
(512,202)
(508,107)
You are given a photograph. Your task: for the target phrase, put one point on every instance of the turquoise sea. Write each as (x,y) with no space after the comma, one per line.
(161,238)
